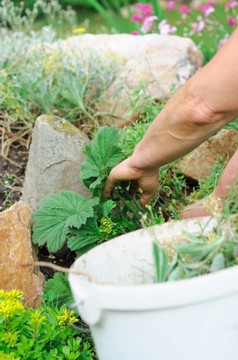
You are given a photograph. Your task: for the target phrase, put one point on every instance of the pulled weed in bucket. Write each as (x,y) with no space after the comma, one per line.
(203,254)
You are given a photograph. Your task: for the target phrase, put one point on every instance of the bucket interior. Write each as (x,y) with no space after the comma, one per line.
(128,259)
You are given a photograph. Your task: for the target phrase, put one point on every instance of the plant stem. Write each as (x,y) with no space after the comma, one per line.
(8,323)
(35,333)
(128,205)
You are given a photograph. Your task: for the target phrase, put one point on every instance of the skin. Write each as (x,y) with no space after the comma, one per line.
(202,106)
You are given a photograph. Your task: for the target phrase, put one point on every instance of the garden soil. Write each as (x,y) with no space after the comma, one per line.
(12,172)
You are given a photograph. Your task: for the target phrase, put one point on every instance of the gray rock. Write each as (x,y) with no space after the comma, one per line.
(159,62)
(54,162)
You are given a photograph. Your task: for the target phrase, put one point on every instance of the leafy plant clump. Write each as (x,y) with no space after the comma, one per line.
(43,333)
(202,254)
(84,223)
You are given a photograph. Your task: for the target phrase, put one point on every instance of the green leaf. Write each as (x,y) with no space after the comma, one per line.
(57,291)
(101,156)
(59,213)
(85,249)
(176,274)
(86,235)
(193,238)
(218,263)
(107,206)
(201,250)
(161,263)
(50,228)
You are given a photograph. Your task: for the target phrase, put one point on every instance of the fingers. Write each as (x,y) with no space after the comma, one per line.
(110,184)
(133,187)
(121,172)
(147,180)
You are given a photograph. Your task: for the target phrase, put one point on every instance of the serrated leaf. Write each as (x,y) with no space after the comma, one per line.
(102,154)
(107,206)
(57,291)
(96,183)
(86,235)
(50,228)
(59,213)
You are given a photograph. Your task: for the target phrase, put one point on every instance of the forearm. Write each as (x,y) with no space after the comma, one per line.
(202,106)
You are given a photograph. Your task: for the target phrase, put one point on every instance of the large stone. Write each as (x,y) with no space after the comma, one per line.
(154,62)
(17,249)
(198,164)
(55,158)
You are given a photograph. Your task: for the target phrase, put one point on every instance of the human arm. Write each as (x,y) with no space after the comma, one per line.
(203,105)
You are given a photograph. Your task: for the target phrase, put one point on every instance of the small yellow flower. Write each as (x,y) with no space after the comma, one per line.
(212,236)
(7,356)
(106,225)
(10,307)
(12,294)
(37,317)
(79,30)
(10,338)
(67,318)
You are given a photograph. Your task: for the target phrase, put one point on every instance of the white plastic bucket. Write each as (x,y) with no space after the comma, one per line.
(133,319)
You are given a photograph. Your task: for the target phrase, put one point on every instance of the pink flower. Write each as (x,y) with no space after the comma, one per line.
(198,26)
(194,26)
(148,24)
(170,5)
(201,25)
(184,10)
(207,9)
(231,4)
(216,22)
(137,18)
(231,21)
(165,28)
(145,9)
(210,2)
(134,33)
(197,7)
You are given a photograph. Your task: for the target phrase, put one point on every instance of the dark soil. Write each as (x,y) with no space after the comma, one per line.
(12,172)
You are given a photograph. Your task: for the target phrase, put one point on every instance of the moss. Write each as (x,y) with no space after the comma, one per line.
(63,126)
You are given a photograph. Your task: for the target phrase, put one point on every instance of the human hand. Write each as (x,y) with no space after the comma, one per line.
(146,179)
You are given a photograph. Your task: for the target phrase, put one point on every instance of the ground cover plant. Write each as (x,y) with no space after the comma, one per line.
(43,333)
